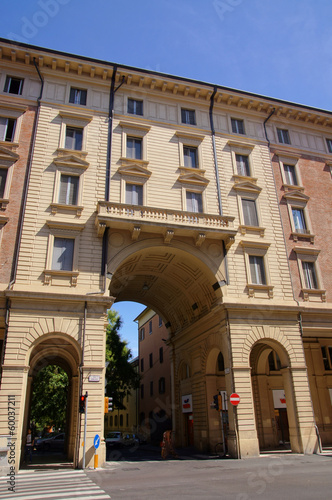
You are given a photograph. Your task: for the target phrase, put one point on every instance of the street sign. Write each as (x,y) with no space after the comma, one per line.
(234,399)
(96,441)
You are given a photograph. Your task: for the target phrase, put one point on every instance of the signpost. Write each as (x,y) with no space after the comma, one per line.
(96,443)
(234,399)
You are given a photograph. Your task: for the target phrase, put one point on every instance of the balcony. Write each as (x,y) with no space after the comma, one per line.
(166,222)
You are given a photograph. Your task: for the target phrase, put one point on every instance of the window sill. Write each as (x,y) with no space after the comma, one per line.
(254,288)
(292,187)
(252,229)
(67,208)
(50,274)
(3,203)
(78,152)
(308,236)
(313,293)
(136,161)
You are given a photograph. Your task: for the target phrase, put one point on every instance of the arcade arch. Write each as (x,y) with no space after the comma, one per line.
(61,350)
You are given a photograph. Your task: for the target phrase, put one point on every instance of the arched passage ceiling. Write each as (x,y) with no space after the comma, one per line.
(174,283)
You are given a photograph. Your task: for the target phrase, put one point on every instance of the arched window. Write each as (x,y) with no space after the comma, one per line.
(220,363)
(116,421)
(274,362)
(121,420)
(111,421)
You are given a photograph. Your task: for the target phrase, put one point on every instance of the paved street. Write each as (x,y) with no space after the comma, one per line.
(142,474)
(272,477)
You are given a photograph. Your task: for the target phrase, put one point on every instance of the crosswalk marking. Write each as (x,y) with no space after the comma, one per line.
(57,485)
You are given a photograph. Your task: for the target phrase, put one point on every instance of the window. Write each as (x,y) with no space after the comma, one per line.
(141,334)
(150,327)
(190,157)
(188,116)
(77,96)
(13,85)
(299,220)
(327,357)
(3,177)
(63,254)
(220,363)
(161,354)
(74,138)
(283,136)
(68,189)
(237,126)
(127,419)
(115,421)
(242,163)
(134,148)
(249,212)
(151,388)
(134,194)
(290,175)
(162,385)
(257,271)
(329,145)
(7,129)
(121,420)
(160,321)
(194,202)
(274,362)
(151,360)
(135,107)
(142,364)
(309,274)
(142,391)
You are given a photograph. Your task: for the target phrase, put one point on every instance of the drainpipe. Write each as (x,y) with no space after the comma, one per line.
(213,134)
(265,121)
(80,387)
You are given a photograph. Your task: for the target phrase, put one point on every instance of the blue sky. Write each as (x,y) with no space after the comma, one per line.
(281,48)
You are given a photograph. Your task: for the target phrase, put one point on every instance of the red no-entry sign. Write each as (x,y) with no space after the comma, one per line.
(234,399)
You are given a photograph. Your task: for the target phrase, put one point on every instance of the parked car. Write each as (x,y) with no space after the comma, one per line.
(114,439)
(52,441)
(130,440)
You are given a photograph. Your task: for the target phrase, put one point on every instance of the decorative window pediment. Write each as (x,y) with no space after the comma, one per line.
(134,169)
(188,136)
(75,117)
(297,195)
(237,145)
(192,177)
(247,186)
(72,160)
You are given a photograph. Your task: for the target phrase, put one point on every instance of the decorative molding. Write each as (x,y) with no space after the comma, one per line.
(134,167)
(168,236)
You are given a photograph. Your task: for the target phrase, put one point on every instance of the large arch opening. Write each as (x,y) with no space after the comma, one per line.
(55,350)
(182,284)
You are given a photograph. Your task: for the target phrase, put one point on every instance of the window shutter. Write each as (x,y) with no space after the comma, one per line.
(63,253)
(3,128)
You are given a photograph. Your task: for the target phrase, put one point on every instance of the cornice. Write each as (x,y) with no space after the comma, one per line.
(64,64)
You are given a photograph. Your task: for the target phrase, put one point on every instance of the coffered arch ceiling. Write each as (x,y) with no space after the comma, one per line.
(176,284)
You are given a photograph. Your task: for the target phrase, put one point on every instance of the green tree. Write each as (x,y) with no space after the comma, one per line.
(49,397)
(121,376)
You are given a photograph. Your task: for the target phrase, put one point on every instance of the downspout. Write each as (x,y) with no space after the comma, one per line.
(213,134)
(80,386)
(264,124)
(22,211)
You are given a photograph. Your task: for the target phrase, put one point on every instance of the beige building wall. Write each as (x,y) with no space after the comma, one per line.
(194,268)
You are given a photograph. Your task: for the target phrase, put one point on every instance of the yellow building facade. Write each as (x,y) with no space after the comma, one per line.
(158,189)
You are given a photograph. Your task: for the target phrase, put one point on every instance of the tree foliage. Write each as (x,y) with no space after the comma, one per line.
(120,374)
(49,397)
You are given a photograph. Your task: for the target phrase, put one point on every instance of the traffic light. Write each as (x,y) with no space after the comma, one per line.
(108,404)
(82,404)
(216,402)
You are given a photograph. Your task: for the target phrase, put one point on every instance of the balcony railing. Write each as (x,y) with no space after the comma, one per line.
(159,219)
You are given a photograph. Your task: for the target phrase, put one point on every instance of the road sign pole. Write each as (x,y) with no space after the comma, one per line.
(85,421)
(223,432)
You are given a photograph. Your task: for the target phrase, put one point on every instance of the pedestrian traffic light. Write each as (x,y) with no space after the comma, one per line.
(216,402)
(82,404)
(108,404)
